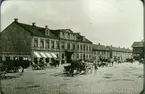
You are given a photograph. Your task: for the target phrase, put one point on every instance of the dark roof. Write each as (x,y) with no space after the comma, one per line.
(36,31)
(88,41)
(137,44)
(79,38)
(100,47)
(119,49)
(40,32)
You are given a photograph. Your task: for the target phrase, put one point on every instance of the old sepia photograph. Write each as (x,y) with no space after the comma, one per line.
(72,47)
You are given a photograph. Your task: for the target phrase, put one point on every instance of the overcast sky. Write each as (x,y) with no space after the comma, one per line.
(109,22)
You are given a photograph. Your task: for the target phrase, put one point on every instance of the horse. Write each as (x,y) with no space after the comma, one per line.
(14,65)
(55,62)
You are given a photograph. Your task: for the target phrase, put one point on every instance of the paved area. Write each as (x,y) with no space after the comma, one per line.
(125,78)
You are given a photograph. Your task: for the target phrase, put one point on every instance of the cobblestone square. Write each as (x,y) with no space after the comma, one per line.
(125,78)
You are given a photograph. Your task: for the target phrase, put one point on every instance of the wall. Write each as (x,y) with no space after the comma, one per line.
(15,40)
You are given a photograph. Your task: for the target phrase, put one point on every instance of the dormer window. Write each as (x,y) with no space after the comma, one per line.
(47,30)
(83,38)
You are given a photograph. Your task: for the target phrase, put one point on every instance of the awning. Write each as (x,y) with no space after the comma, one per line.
(48,55)
(53,55)
(37,54)
(43,54)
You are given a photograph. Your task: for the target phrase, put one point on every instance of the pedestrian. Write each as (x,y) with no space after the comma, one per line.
(95,66)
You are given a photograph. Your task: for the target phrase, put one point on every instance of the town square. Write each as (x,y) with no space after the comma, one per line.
(72,47)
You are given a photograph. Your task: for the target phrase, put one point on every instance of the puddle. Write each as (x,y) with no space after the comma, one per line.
(58,74)
(78,85)
(122,80)
(126,75)
(66,79)
(34,86)
(140,76)
(108,74)
(20,88)
(40,73)
(28,87)
(62,84)
(107,77)
(10,77)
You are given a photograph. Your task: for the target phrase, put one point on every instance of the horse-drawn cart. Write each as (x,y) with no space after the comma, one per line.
(77,67)
(38,66)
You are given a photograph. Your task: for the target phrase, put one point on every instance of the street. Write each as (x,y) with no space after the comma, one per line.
(125,78)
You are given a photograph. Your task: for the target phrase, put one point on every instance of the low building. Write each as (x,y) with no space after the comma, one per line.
(120,53)
(100,51)
(138,49)
(23,41)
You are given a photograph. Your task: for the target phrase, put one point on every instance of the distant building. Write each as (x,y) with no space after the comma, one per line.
(120,53)
(138,49)
(23,41)
(100,51)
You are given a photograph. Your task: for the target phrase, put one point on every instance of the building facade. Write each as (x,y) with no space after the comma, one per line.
(120,53)
(138,49)
(23,41)
(100,51)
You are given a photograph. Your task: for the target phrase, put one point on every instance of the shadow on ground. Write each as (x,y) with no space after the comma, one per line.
(11,76)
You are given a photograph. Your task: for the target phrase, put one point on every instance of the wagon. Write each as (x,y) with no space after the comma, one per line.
(67,69)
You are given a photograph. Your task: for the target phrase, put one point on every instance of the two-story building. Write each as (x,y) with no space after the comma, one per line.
(100,51)
(120,53)
(73,42)
(138,49)
(23,41)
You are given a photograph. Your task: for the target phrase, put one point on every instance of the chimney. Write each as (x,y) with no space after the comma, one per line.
(78,33)
(83,37)
(33,24)
(16,19)
(46,26)
(46,30)
(98,43)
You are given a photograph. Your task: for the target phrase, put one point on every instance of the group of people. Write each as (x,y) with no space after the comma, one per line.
(80,66)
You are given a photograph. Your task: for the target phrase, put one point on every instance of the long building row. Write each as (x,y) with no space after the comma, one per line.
(22,41)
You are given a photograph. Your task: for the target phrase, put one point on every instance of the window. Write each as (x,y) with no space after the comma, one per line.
(62,55)
(62,35)
(57,45)
(7,58)
(78,47)
(88,48)
(52,44)
(20,58)
(35,43)
(81,46)
(84,48)
(69,36)
(0,58)
(66,35)
(47,32)
(77,56)
(47,44)
(73,47)
(42,44)
(68,46)
(62,45)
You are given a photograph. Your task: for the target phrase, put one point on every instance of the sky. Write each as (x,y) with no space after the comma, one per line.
(108,22)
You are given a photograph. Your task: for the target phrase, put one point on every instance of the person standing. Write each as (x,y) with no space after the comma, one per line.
(95,66)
